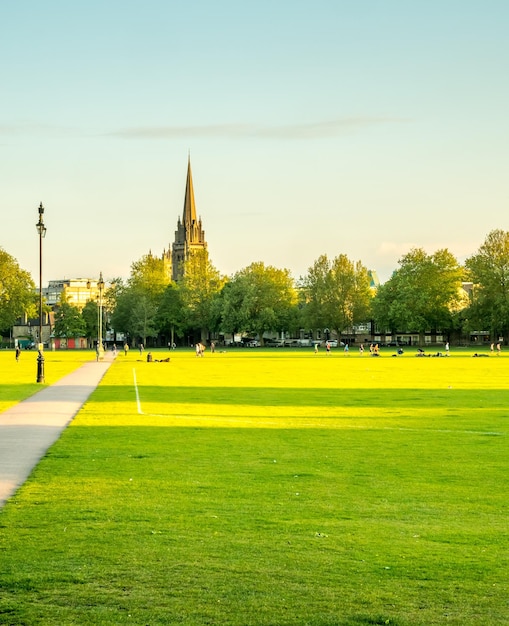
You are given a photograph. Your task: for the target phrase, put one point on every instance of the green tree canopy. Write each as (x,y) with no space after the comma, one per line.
(336,293)
(90,315)
(170,315)
(136,303)
(200,288)
(17,291)
(68,320)
(151,275)
(489,272)
(422,294)
(257,299)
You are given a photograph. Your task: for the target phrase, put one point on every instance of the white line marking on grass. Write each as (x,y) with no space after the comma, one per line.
(140,412)
(138,401)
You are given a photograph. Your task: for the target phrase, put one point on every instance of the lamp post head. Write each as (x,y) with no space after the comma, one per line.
(41,229)
(100,283)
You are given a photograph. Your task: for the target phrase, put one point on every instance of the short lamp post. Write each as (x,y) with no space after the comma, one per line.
(100,348)
(41,229)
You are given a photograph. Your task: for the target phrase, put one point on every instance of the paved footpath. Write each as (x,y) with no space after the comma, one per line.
(29,428)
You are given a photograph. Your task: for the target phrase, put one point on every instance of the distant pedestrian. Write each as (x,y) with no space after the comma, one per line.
(346,349)
(316,348)
(327,347)
(499,348)
(361,349)
(126,348)
(141,348)
(492,348)
(114,350)
(447,349)
(212,346)
(18,352)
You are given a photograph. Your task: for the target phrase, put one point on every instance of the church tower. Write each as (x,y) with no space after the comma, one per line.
(189,235)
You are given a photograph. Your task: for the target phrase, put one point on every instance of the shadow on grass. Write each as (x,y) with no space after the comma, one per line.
(277,396)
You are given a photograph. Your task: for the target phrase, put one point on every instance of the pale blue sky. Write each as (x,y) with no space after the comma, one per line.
(314,126)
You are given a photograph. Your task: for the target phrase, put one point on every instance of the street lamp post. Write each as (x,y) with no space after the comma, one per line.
(100,348)
(41,229)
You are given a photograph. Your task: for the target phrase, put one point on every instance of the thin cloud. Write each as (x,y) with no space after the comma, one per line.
(317,130)
(29,128)
(177,132)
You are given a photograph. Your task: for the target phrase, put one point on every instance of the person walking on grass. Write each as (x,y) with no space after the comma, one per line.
(18,352)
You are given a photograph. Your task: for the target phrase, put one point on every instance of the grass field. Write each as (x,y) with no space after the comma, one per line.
(270,488)
(18,379)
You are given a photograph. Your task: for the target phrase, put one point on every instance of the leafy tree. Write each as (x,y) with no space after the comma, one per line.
(68,320)
(170,315)
(424,293)
(120,298)
(136,303)
(257,299)
(17,291)
(337,293)
(489,272)
(90,315)
(199,288)
(142,314)
(151,275)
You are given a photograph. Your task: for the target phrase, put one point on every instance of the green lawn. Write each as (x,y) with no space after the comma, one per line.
(280,488)
(18,379)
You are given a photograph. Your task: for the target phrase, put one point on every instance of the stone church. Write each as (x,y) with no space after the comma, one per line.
(189,236)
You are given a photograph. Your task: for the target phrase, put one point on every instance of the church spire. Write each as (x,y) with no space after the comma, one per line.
(189,236)
(189,216)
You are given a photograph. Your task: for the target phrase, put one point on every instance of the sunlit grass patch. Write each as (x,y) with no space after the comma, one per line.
(19,379)
(252,390)
(270,489)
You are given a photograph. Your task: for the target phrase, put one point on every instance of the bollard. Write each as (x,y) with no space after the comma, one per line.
(40,368)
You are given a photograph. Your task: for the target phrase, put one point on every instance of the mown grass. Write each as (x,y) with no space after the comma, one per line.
(19,379)
(270,488)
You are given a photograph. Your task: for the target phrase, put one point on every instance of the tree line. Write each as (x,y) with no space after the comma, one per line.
(425,292)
